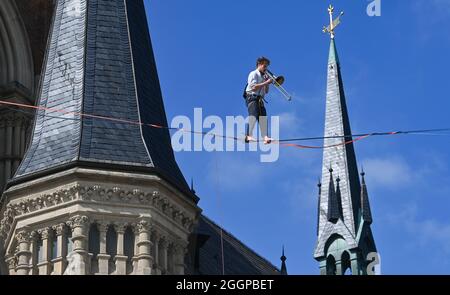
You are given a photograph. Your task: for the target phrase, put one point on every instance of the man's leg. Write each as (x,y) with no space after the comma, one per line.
(253,115)
(263,123)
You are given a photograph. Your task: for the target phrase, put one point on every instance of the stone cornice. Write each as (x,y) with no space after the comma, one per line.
(95,194)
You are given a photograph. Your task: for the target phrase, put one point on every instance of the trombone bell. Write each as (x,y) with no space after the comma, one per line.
(279,80)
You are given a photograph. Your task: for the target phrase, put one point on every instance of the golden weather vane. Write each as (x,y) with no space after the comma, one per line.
(333,23)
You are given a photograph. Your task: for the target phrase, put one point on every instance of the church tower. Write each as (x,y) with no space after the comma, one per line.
(97,181)
(344,235)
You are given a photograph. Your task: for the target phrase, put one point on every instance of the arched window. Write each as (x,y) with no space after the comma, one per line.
(94,246)
(94,240)
(331,265)
(346,264)
(111,247)
(129,248)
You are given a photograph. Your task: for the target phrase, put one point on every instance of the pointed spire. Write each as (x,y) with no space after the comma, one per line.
(283,264)
(333,208)
(365,205)
(333,57)
(342,156)
(339,197)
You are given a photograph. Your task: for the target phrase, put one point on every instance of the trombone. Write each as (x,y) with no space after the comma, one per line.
(278,81)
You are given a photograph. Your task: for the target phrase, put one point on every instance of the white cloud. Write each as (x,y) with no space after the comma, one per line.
(426,232)
(388,172)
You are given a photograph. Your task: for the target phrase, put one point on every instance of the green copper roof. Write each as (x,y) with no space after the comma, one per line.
(333,57)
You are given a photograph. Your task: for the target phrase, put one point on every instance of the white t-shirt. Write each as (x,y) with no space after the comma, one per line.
(255,77)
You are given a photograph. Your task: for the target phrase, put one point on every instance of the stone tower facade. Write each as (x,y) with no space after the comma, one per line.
(344,235)
(98,191)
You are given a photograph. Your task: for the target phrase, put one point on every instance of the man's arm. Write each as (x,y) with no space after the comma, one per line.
(256,86)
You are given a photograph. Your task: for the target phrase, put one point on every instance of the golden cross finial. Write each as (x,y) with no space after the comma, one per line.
(333,23)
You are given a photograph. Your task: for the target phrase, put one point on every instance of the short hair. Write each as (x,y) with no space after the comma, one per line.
(261,60)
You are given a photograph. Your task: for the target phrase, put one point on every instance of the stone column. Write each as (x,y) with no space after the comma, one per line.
(163,244)
(134,259)
(339,268)
(24,254)
(103,258)
(155,237)
(180,249)
(45,266)
(144,259)
(78,260)
(61,251)
(34,253)
(120,259)
(11,261)
(356,269)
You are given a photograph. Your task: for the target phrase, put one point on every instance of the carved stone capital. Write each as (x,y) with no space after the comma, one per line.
(143,225)
(120,227)
(103,226)
(34,236)
(78,221)
(45,233)
(23,236)
(11,261)
(59,228)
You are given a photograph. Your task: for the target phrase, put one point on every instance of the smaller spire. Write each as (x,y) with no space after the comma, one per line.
(339,197)
(333,207)
(283,264)
(365,205)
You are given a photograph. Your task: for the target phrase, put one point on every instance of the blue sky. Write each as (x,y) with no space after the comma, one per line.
(395,71)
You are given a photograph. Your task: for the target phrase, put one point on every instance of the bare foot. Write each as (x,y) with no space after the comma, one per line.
(249,138)
(267,140)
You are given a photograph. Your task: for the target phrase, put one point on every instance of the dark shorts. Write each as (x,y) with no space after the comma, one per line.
(256,107)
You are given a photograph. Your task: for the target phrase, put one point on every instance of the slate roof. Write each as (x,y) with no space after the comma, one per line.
(205,253)
(100,62)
